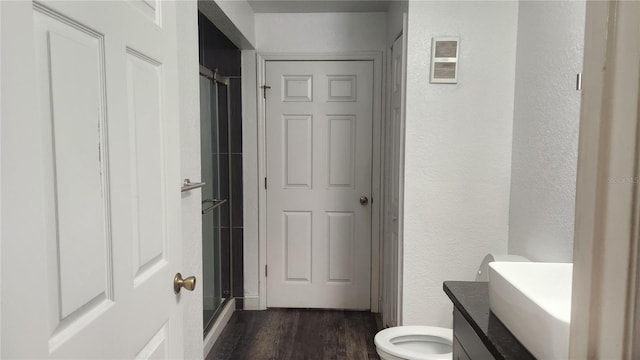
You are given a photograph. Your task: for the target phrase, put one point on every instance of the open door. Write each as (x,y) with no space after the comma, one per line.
(91,212)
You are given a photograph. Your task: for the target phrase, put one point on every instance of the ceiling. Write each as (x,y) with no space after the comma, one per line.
(315,6)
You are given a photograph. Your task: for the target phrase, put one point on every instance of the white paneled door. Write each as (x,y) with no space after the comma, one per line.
(90,180)
(319,131)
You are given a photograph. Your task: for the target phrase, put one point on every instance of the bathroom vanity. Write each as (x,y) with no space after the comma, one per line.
(478,334)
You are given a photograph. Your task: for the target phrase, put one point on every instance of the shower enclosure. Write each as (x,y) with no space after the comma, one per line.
(216,249)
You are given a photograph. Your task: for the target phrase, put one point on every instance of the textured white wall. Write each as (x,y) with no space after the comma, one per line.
(187,24)
(458,151)
(545,129)
(320,32)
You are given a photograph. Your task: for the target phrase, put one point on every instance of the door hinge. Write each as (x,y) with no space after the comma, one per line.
(265,271)
(264,90)
(265,183)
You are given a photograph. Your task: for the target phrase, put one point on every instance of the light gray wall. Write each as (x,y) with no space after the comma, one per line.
(545,129)
(320,32)
(458,151)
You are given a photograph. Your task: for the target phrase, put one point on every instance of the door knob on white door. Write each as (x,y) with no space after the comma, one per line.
(364,200)
(179,283)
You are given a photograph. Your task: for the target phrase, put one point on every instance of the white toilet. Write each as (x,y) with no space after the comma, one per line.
(427,342)
(415,343)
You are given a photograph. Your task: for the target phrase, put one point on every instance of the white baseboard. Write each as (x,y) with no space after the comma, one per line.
(252,303)
(218,326)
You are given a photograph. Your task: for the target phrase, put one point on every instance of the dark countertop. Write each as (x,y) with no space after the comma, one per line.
(471,298)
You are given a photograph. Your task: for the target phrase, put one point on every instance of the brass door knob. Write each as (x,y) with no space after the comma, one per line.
(188,283)
(364,200)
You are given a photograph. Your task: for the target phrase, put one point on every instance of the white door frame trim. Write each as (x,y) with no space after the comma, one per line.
(605,294)
(401,143)
(376,193)
(403,120)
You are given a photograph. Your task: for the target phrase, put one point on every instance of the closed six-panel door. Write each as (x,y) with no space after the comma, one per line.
(319,161)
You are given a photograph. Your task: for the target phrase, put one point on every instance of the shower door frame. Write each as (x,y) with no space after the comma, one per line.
(227,293)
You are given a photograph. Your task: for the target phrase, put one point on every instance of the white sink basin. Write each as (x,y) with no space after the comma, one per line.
(533,300)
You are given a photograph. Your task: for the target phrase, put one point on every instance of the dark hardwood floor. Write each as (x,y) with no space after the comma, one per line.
(283,334)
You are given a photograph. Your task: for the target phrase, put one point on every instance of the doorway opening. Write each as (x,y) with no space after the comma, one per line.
(334,173)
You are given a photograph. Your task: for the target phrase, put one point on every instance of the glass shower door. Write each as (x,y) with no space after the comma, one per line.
(211,211)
